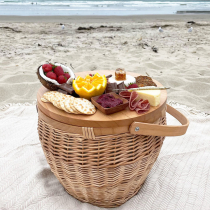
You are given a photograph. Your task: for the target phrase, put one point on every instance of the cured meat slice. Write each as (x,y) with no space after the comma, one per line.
(125,94)
(143,106)
(139,105)
(133,102)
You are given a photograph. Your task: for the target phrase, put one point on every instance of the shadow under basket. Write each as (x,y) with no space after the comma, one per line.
(105,171)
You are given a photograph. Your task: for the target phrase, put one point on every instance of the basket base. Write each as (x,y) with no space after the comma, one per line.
(106,204)
(106,171)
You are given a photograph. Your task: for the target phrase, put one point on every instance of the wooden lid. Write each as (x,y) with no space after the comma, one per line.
(99,120)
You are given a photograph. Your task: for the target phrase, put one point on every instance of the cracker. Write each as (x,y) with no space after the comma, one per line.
(73,107)
(74,110)
(57,100)
(62,103)
(44,100)
(50,95)
(68,105)
(54,97)
(84,106)
(63,106)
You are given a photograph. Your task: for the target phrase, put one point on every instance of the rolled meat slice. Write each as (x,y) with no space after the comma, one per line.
(125,94)
(133,102)
(143,106)
(139,105)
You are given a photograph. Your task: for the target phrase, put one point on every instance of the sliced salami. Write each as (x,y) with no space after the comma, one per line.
(133,102)
(139,105)
(125,94)
(143,106)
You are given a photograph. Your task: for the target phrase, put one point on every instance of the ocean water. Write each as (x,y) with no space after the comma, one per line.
(96,7)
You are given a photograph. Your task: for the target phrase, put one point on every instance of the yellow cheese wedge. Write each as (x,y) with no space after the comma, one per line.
(153,96)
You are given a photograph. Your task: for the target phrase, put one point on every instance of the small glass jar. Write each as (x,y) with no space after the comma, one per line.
(120,74)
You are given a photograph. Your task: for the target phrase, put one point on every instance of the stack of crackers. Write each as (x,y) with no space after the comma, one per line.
(69,103)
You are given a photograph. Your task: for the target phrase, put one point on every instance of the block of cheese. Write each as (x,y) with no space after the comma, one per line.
(153,96)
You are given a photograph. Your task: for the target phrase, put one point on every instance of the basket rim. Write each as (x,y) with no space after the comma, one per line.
(68,128)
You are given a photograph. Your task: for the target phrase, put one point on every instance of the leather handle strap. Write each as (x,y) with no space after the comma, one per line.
(162,130)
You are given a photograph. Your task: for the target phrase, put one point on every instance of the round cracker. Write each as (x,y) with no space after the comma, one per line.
(54,97)
(44,100)
(62,103)
(58,99)
(68,105)
(74,110)
(84,106)
(50,95)
(73,107)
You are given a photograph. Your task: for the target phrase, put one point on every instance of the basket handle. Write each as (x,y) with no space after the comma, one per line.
(162,130)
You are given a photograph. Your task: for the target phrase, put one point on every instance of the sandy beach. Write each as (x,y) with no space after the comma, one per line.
(171,173)
(182,61)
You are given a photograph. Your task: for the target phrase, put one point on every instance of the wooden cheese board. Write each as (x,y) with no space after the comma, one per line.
(100,120)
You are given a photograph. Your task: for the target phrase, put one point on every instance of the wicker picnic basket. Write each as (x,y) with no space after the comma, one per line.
(104,161)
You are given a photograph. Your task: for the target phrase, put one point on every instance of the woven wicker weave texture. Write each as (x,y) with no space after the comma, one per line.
(105,171)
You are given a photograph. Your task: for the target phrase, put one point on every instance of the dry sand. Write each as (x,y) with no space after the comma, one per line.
(182,61)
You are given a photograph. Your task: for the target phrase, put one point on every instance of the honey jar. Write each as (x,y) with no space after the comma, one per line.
(120,74)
